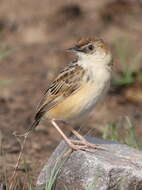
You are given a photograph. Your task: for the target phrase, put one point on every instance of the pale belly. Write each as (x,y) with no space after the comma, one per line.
(79,103)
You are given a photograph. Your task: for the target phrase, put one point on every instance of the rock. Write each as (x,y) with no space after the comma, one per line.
(119,168)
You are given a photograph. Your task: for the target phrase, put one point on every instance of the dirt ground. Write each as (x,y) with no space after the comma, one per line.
(33,37)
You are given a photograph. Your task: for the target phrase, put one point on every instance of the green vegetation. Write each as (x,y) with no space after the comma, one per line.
(130,72)
(123,132)
(6,82)
(54,173)
(4,53)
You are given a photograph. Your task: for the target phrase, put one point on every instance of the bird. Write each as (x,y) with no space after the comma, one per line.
(77,89)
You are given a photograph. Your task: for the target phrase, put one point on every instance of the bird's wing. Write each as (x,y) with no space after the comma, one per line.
(68,82)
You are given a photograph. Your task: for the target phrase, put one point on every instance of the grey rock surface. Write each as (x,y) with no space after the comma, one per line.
(119,168)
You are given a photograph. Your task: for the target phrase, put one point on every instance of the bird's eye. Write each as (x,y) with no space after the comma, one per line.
(91,47)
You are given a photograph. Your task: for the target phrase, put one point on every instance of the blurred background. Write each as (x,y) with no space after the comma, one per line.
(33,38)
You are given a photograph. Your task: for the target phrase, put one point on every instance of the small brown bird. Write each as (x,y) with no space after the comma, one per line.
(78,88)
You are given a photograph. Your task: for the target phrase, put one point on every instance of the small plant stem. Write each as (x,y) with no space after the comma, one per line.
(12,180)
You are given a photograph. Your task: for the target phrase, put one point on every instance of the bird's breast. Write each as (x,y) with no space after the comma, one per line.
(80,102)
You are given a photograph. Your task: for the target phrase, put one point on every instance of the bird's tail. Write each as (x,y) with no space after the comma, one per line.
(32,127)
(36,121)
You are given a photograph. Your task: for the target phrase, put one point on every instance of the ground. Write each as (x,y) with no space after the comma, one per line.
(33,38)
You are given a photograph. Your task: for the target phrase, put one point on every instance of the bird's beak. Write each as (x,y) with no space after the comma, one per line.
(74,49)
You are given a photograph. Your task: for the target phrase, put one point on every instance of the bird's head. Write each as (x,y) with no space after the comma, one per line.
(93,49)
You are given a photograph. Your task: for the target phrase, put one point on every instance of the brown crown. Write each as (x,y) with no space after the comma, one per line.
(99,42)
(84,41)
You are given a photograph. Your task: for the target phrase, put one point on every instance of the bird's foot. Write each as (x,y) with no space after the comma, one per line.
(82,147)
(85,145)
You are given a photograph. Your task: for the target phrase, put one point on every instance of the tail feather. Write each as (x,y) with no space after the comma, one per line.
(37,119)
(33,126)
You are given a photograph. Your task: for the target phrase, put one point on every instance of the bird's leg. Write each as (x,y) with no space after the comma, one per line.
(70,142)
(75,132)
(61,133)
(83,140)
